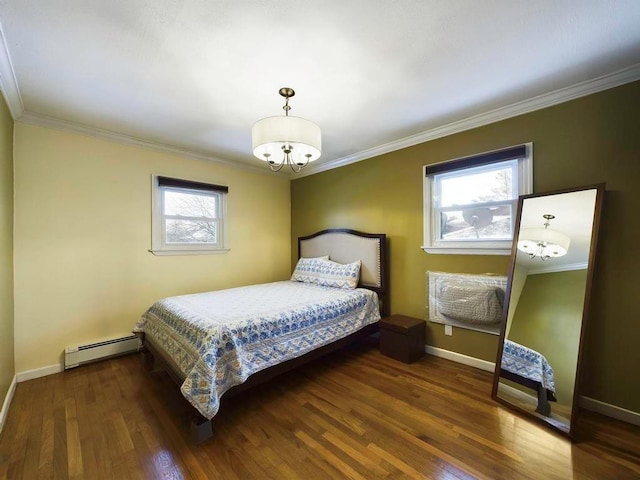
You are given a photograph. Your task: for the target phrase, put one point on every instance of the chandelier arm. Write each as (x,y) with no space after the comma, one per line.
(302,165)
(287,158)
(277,168)
(271,163)
(296,169)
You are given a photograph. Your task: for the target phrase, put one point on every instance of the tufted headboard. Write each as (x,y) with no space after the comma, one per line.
(346,246)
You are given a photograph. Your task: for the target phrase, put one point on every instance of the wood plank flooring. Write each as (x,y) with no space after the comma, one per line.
(356,415)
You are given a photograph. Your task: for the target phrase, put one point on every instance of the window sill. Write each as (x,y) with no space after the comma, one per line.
(189,252)
(466,251)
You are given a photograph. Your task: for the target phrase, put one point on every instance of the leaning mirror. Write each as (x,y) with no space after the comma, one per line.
(546,304)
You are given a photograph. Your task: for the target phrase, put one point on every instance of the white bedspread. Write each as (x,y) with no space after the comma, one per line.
(218,339)
(527,363)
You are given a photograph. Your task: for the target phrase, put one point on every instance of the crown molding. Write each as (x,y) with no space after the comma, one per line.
(72,127)
(558,268)
(8,82)
(582,89)
(13,98)
(11,93)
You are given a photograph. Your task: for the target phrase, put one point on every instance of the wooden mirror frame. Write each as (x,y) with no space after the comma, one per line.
(600,190)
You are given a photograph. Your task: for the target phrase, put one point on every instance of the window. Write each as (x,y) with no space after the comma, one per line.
(188,217)
(470,203)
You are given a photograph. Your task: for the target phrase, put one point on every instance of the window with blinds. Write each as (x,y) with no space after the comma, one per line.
(188,217)
(470,203)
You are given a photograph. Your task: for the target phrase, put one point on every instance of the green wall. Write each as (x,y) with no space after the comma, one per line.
(548,319)
(589,140)
(7,365)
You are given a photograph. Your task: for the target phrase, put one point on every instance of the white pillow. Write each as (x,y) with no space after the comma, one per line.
(325,272)
(305,268)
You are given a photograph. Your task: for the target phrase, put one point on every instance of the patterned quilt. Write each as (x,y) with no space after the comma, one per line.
(218,339)
(527,363)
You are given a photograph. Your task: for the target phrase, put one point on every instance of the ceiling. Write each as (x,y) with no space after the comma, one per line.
(573,213)
(193,76)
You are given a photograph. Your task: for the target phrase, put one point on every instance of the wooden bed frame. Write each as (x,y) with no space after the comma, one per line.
(544,395)
(201,427)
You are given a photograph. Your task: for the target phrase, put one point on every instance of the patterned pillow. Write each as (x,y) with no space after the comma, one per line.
(327,273)
(340,275)
(305,268)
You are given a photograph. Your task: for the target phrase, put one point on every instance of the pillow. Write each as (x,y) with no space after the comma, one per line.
(327,273)
(305,268)
(340,275)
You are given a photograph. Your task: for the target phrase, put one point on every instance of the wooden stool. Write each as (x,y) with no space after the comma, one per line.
(402,337)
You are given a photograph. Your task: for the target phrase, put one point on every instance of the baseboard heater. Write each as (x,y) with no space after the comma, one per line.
(81,354)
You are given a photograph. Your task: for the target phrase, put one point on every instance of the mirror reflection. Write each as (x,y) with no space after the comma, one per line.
(542,332)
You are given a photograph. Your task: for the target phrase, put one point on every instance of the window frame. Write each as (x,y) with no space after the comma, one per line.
(431,230)
(159,245)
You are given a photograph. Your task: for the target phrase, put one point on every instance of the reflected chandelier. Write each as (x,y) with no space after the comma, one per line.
(543,243)
(296,139)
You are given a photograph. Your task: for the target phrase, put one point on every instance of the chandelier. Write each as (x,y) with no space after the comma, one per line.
(286,140)
(543,243)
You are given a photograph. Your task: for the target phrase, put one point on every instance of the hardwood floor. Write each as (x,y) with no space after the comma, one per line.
(357,415)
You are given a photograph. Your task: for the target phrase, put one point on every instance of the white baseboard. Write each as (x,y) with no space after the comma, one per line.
(39,372)
(7,402)
(460,358)
(609,410)
(587,403)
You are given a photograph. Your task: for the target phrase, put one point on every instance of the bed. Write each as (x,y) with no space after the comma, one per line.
(220,343)
(530,369)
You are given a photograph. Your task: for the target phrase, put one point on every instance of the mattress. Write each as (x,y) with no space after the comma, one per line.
(218,339)
(527,363)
